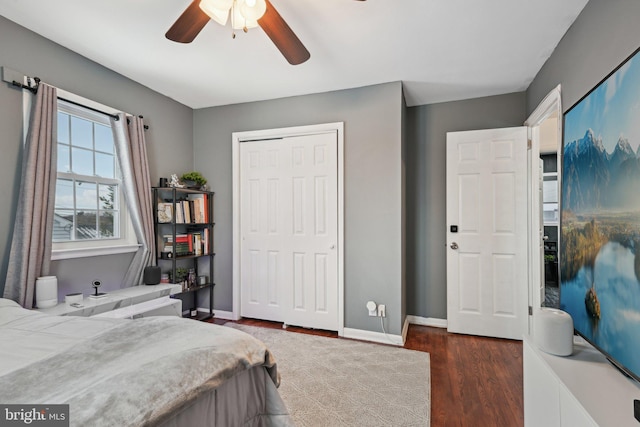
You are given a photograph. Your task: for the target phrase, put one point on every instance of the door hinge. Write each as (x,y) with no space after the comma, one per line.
(530,311)
(529,143)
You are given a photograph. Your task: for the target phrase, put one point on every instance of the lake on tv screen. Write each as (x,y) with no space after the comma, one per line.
(613,323)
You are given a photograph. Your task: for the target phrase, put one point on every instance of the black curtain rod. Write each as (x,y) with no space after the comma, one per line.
(34,90)
(95,110)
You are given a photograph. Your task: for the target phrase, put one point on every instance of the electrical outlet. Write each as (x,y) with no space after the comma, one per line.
(371,306)
(382,310)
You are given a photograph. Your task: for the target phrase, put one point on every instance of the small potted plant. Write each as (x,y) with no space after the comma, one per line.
(193,179)
(181,277)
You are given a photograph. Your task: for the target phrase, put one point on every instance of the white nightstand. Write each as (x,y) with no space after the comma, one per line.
(135,301)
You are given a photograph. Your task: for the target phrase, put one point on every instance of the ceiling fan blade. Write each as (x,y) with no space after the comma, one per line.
(283,36)
(189,24)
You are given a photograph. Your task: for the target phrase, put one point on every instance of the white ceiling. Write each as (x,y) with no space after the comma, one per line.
(442,50)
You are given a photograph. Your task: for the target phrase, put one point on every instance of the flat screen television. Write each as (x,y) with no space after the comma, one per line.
(600,216)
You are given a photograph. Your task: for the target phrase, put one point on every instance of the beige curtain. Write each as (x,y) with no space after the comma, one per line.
(31,245)
(131,149)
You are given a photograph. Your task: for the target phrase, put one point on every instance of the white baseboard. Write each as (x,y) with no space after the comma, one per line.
(405,329)
(379,337)
(427,321)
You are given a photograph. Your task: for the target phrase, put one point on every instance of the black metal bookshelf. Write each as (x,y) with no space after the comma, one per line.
(183,228)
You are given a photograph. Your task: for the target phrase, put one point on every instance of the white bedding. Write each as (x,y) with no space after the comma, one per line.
(151,371)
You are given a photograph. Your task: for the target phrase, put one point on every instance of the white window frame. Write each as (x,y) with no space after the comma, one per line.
(127,242)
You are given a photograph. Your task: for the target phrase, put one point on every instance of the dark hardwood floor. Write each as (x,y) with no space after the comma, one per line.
(475,381)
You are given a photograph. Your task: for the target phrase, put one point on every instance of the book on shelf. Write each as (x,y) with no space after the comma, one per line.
(179,213)
(187,211)
(199,204)
(197,244)
(165,212)
(206,207)
(192,243)
(199,238)
(184,244)
(197,211)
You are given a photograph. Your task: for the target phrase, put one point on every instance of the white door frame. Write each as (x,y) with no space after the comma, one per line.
(236,139)
(552,103)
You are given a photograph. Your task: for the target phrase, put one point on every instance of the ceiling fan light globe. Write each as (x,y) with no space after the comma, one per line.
(241,24)
(218,10)
(252,10)
(239,21)
(217,4)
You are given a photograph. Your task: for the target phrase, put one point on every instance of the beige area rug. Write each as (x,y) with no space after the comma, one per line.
(340,382)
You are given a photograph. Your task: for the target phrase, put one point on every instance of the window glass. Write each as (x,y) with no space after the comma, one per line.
(107,224)
(86,221)
(64,159)
(87,204)
(62,225)
(103,138)
(81,133)
(64,194)
(108,199)
(82,161)
(63,127)
(105,165)
(86,195)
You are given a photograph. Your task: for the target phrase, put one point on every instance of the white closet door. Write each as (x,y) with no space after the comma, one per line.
(263,229)
(289,229)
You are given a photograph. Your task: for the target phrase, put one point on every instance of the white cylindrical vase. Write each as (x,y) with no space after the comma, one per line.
(46,291)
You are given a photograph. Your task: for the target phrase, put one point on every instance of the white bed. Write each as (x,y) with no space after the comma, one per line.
(163,371)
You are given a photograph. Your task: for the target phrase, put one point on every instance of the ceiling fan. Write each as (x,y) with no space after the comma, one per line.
(244,14)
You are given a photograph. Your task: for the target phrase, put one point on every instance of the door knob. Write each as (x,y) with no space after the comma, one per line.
(454,245)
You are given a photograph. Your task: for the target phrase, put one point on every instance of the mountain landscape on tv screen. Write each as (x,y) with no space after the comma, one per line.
(600,244)
(595,180)
(600,201)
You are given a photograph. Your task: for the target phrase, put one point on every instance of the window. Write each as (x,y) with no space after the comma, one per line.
(89,211)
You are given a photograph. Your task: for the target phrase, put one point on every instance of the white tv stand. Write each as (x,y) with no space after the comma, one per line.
(583,389)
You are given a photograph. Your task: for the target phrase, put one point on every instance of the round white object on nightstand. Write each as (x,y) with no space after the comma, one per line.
(75,298)
(46,291)
(553,331)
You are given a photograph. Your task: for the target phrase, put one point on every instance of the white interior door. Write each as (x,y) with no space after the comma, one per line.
(487,287)
(289,230)
(263,177)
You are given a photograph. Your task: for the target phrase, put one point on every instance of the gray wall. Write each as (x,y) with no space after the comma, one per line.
(427,126)
(604,35)
(373,187)
(378,154)
(170,139)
